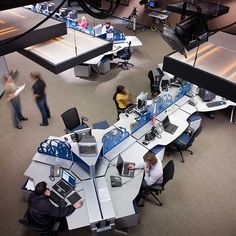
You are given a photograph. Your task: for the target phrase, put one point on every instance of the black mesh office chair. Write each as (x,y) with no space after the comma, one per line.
(184,142)
(156,189)
(40,230)
(72,120)
(154,84)
(125,55)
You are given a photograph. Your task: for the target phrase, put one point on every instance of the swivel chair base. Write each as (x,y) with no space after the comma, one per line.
(125,65)
(144,197)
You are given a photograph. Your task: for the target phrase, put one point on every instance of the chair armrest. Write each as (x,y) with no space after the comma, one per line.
(84,118)
(67,131)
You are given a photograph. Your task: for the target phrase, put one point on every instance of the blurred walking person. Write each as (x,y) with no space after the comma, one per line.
(38,89)
(13,97)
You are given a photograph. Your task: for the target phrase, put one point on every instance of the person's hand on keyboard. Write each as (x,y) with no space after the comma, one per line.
(78,204)
(131,166)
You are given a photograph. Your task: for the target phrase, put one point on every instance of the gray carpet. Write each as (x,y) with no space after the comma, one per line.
(199,201)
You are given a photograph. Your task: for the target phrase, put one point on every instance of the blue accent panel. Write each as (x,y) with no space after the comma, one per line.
(101,125)
(183,90)
(113,138)
(163,102)
(194,117)
(81,163)
(141,121)
(56,148)
(157,149)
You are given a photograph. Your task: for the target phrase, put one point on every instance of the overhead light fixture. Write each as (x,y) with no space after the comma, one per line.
(187,34)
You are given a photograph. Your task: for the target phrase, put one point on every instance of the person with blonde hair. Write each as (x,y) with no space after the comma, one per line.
(83,22)
(38,89)
(14,99)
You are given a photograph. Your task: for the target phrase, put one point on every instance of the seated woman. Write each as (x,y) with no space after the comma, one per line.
(122,98)
(83,22)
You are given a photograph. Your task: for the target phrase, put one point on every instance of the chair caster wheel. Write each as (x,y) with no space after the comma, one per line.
(161,204)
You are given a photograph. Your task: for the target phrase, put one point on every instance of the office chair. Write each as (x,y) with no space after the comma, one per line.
(72,120)
(125,55)
(40,230)
(156,189)
(184,142)
(154,84)
(117,106)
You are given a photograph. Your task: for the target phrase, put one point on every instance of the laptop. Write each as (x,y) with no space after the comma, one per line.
(123,169)
(168,127)
(66,184)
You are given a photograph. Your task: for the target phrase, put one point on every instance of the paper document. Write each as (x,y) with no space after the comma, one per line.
(30,185)
(20,88)
(104,195)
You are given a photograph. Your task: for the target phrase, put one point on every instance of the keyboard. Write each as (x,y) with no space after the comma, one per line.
(215,104)
(57,199)
(171,128)
(130,109)
(64,186)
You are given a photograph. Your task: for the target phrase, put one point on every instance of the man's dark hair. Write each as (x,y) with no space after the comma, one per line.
(40,188)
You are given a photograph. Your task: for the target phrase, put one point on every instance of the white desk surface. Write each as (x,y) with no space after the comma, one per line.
(188,108)
(178,118)
(40,172)
(51,160)
(135,42)
(120,148)
(158,15)
(202,107)
(182,101)
(122,197)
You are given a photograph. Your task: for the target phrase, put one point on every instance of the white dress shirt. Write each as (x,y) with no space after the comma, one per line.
(155,173)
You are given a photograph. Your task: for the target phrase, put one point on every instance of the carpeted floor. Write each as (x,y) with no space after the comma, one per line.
(199,201)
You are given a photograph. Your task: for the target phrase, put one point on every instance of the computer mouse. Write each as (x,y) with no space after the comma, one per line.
(127,115)
(66,138)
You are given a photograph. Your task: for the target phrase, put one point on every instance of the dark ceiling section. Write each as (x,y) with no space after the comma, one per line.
(23,20)
(8,4)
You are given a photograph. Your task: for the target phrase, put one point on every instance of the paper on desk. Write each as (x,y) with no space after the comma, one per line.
(20,88)
(104,195)
(30,185)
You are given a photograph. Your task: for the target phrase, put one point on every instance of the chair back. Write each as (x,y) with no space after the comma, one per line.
(71,118)
(192,138)
(151,78)
(168,172)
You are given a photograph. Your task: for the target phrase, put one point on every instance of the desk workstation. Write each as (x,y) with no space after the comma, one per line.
(105,207)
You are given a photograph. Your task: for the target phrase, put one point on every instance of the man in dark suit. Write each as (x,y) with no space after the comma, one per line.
(42,212)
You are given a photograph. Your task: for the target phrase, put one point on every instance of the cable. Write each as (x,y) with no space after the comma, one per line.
(218,29)
(195,59)
(98,12)
(36,26)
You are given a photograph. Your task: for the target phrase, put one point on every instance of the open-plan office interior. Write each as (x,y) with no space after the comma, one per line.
(199,200)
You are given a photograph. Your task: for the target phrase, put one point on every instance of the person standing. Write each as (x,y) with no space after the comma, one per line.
(39,94)
(14,99)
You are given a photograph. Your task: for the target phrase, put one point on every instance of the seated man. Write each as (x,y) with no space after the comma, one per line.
(107,27)
(153,172)
(42,212)
(123,98)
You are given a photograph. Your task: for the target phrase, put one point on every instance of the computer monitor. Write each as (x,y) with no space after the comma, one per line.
(87,146)
(80,133)
(97,29)
(152,4)
(164,84)
(142,100)
(68,178)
